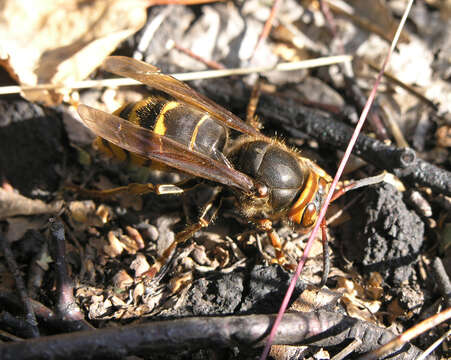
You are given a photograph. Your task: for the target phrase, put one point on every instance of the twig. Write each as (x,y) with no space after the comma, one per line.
(317,328)
(20,327)
(330,22)
(7,335)
(343,354)
(442,279)
(364,23)
(402,162)
(66,305)
(45,315)
(20,285)
(359,100)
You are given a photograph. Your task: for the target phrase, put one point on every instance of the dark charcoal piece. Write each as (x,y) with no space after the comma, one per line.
(391,235)
(31,144)
(214,296)
(260,292)
(266,289)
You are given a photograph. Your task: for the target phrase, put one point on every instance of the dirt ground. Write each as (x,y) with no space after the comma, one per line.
(72,260)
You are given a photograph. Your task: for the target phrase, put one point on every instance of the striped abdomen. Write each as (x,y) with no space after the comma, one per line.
(178,121)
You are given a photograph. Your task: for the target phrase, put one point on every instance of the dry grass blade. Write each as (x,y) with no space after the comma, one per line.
(197,75)
(409,335)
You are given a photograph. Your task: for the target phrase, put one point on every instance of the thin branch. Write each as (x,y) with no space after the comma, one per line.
(20,285)
(442,280)
(66,304)
(46,316)
(248,331)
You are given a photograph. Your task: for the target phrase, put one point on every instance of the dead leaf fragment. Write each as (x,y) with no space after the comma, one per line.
(443,136)
(355,300)
(13,204)
(122,280)
(136,236)
(63,41)
(140,265)
(85,213)
(115,246)
(313,299)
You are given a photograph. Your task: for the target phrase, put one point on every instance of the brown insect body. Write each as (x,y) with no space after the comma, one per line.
(180,128)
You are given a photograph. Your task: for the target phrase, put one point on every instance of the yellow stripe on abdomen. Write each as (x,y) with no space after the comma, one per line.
(192,142)
(160,126)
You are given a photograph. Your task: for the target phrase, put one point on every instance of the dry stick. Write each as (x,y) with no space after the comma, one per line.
(45,315)
(319,329)
(442,279)
(358,98)
(298,121)
(354,92)
(20,285)
(410,334)
(364,23)
(330,21)
(341,167)
(343,354)
(9,336)
(17,325)
(66,305)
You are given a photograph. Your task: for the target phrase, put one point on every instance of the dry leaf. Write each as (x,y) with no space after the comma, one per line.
(12,204)
(61,41)
(443,5)
(395,310)
(85,214)
(140,265)
(122,280)
(313,299)
(115,246)
(443,135)
(355,300)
